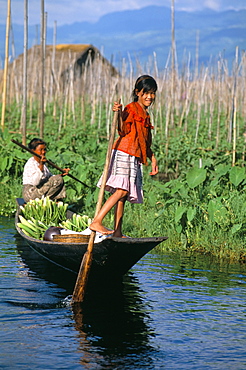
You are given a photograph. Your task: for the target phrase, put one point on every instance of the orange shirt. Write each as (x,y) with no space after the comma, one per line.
(135,136)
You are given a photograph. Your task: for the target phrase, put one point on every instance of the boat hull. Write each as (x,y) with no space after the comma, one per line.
(112,257)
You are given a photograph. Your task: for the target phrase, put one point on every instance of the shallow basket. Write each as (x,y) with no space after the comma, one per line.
(71,238)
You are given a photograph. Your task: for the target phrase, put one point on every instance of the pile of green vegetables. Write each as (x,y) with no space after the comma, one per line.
(39,214)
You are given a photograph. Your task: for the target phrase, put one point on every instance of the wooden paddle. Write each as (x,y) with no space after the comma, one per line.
(47,161)
(82,279)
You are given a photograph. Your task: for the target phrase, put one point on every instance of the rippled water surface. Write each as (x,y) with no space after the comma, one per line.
(171,312)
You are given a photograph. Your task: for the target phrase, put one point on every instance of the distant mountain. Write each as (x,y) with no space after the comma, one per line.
(140,33)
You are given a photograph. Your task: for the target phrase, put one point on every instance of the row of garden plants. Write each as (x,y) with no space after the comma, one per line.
(198,200)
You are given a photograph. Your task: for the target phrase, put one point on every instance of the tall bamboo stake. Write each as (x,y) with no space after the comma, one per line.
(42,55)
(24,101)
(199,108)
(234,118)
(6,64)
(173,65)
(219,107)
(14,76)
(53,59)
(197,54)
(234,131)
(72,93)
(32,84)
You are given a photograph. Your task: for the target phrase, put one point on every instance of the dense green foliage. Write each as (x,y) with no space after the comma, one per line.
(198,200)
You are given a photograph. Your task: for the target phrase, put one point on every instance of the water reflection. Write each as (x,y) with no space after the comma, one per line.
(207,271)
(112,323)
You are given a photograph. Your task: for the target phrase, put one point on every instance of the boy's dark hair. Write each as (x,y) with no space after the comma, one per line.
(35,142)
(145,83)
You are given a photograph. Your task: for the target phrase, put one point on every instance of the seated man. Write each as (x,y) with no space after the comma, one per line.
(38,181)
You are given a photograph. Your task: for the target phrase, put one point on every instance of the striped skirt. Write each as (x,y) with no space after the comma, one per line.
(125,172)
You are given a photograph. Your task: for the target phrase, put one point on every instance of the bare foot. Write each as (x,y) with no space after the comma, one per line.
(94,226)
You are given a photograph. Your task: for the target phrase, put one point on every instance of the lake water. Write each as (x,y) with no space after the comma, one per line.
(171,312)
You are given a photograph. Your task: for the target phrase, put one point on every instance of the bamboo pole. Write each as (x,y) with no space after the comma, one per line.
(58,99)
(234,126)
(173,65)
(53,63)
(234,117)
(13,79)
(200,106)
(197,54)
(42,56)
(14,69)
(83,275)
(24,100)
(219,107)
(5,75)
(72,91)
(33,82)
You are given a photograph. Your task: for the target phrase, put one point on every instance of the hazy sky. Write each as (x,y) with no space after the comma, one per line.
(69,11)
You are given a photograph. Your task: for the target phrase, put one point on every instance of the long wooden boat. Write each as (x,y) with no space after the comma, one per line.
(112,257)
